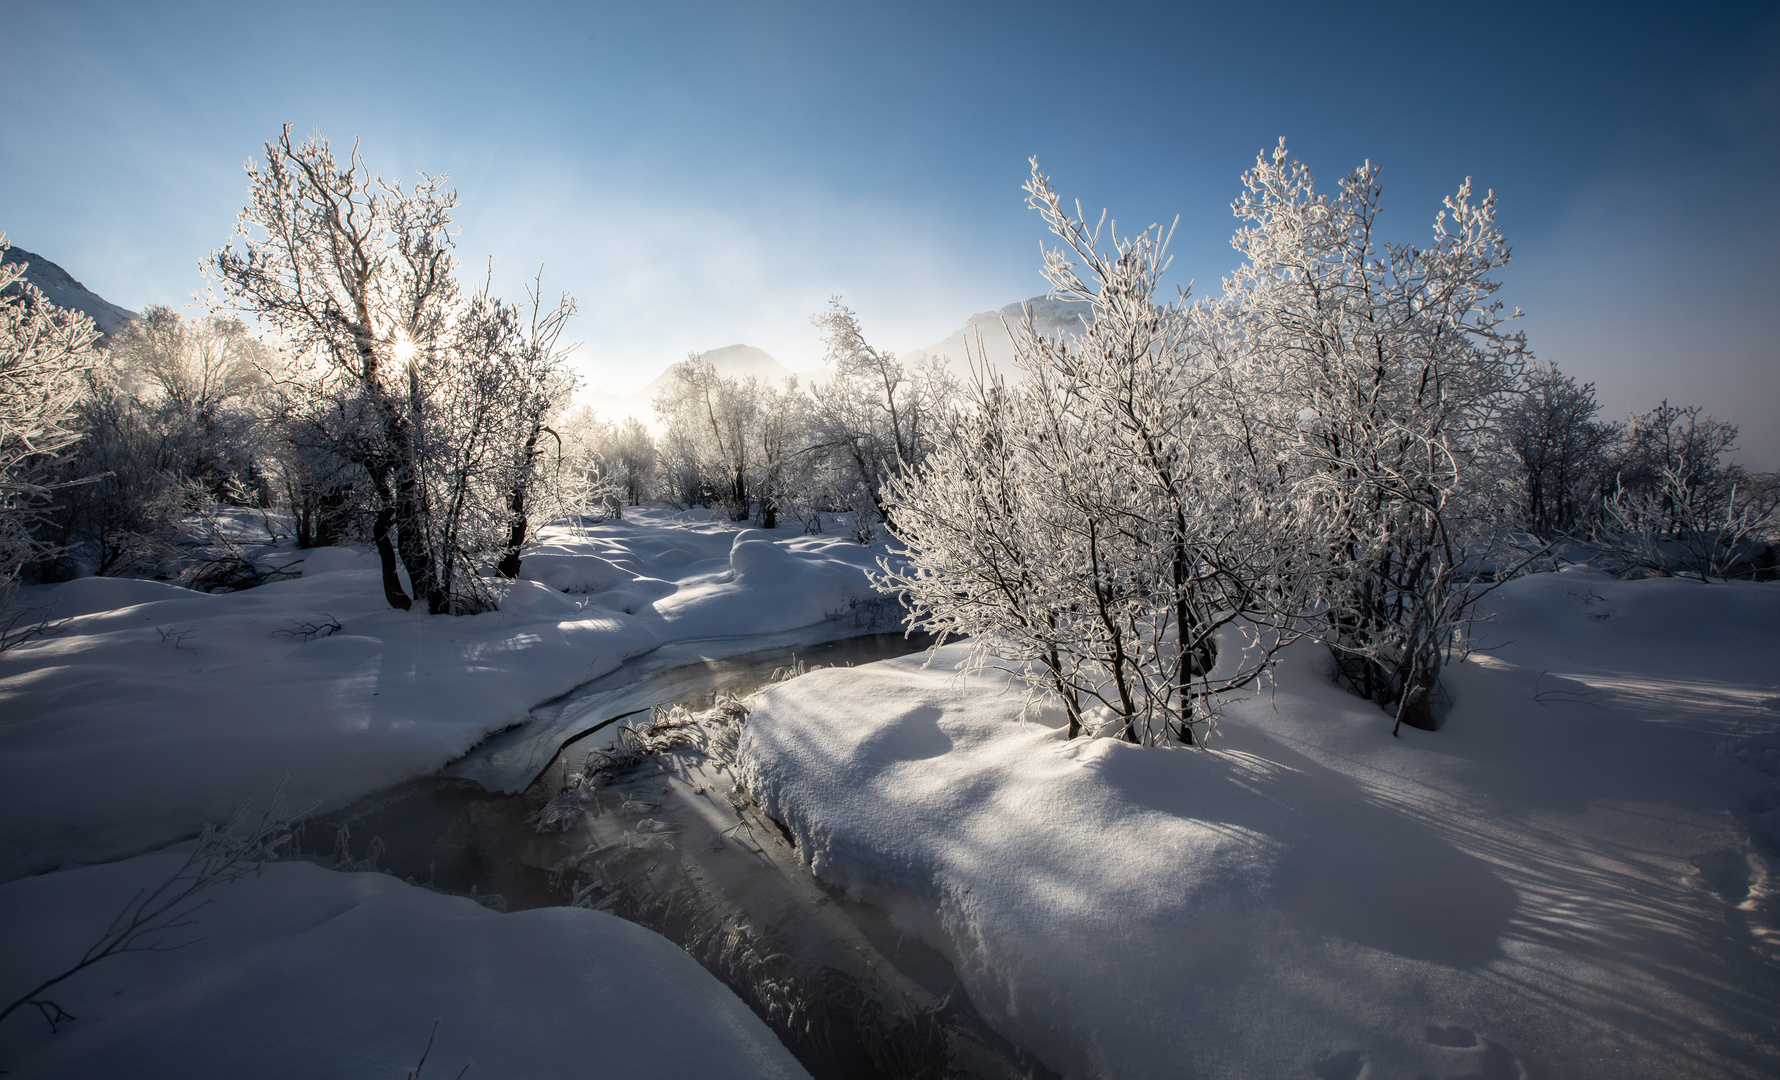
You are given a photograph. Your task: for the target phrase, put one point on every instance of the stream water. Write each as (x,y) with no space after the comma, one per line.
(453,833)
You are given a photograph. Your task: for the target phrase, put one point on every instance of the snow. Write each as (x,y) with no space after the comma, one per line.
(158,709)
(1574,877)
(304,972)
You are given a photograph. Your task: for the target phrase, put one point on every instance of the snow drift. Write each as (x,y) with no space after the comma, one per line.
(1566,880)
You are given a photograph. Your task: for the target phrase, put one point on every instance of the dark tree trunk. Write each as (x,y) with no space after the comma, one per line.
(305,519)
(386,558)
(411,541)
(381,527)
(508,567)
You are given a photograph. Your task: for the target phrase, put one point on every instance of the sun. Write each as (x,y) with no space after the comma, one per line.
(404,347)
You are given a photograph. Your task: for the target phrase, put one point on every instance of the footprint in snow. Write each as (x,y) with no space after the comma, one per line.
(1340,1065)
(1489,1060)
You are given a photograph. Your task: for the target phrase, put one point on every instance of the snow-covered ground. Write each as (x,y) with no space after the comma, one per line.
(156,709)
(302,972)
(1573,878)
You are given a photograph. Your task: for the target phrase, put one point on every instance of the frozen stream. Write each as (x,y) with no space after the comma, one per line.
(849,994)
(466,829)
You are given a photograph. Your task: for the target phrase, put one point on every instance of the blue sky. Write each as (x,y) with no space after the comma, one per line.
(703,174)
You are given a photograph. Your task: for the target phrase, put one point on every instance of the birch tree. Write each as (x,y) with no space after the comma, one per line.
(1395,363)
(1562,450)
(874,414)
(713,422)
(440,400)
(1099,522)
(1677,505)
(356,272)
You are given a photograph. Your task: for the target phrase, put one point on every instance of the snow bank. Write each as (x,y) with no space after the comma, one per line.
(773,586)
(157,709)
(1566,880)
(302,972)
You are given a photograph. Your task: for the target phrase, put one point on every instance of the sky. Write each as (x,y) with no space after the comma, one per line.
(699,175)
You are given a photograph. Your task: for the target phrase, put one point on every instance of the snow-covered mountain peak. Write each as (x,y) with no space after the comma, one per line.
(732,362)
(991,329)
(62,290)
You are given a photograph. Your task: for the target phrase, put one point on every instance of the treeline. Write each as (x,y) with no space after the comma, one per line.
(773,452)
(392,406)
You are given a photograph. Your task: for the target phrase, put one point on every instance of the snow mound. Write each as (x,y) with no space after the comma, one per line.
(539,599)
(572,573)
(303,972)
(756,560)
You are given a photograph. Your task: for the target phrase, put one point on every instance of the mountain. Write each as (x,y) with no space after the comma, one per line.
(742,361)
(60,288)
(1051,316)
(731,361)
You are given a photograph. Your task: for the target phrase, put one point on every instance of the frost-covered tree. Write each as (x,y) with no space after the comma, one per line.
(780,430)
(592,478)
(874,416)
(515,360)
(1318,447)
(740,444)
(46,356)
(1677,504)
(632,455)
(1098,522)
(357,273)
(172,424)
(439,400)
(1562,450)
(1392,365)
(713,424)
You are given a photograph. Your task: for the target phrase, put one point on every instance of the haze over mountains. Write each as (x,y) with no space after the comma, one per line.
(983,335)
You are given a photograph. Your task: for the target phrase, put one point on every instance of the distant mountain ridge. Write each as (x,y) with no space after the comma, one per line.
(60,288)
(985,334)
(743,361)
(731,361)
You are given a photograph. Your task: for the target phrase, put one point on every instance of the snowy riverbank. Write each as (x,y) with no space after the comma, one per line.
(1573,878)
(157,709)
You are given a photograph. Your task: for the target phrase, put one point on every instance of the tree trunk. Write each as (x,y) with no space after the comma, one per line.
(508,567)
(386,552)
(411,540)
